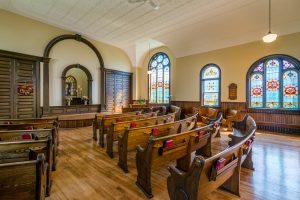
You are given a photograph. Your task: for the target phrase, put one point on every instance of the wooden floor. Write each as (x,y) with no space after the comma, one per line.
(84,171)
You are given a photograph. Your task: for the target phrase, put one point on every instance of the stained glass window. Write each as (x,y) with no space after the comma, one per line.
(210,89)
(274,83)
(159,79)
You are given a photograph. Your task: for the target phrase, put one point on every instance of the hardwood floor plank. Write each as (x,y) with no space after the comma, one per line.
(84,171)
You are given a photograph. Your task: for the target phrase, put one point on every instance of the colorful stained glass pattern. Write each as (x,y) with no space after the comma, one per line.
(166,84)
(287,65)
(290,89)
(272,84)
(210,86)
(259,68)
(211,72)
(159,87)
(256,97)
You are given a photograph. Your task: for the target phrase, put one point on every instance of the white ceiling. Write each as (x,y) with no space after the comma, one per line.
(185,26)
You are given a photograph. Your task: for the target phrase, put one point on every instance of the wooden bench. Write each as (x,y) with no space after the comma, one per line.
(20,135)
(241,130)
(17,151)
(98,118)
(216,122)
(23,180)
(119,128)
(176,110)
(169,148)
(204,113)
(139,136)
(143,108)
(106,122)
(51,119)
(232,115)
(206,175)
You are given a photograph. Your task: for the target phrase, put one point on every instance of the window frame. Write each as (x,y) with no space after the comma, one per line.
(149,81)
(280,58)
(202,85)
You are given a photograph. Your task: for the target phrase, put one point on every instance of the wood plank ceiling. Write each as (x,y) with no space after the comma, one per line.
(185,26)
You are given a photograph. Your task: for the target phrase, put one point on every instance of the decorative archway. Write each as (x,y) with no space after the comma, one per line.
(89,79)
(46,107)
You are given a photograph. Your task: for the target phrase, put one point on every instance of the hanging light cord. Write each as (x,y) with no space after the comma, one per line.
(269,16)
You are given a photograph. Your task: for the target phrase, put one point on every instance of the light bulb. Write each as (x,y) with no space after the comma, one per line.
(270,37)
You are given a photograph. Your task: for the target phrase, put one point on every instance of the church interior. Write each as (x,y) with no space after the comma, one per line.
(149,99)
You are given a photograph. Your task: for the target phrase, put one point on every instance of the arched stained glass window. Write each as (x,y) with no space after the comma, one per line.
(159,79)
(210,76)
(273,83)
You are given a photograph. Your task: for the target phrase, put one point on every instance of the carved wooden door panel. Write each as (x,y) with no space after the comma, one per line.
(25,89)
(6,92)
(110,91)
(126,90)
(118,92)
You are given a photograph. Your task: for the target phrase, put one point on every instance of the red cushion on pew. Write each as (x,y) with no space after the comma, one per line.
(168,143)
(119,120)
(201,133)
(26,136)
(29,128)
(133,125)
(155,131)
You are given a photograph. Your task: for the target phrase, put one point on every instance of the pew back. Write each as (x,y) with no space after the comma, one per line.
(27,126)
(139,136)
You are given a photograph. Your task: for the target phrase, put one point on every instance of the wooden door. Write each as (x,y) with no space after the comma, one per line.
(118,90)
(18,86)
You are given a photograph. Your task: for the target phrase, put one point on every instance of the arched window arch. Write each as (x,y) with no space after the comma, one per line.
(273,82)
(210,90)
(71,86)
(159,79)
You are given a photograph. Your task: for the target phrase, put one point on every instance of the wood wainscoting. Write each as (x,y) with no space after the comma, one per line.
(281,121)
(74,116)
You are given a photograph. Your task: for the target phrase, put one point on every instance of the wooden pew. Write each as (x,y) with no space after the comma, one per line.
(241,130)
(172,147)
(34,126)
(18,135)
(23,180)
(106,122)
(119,128)
(17,151)
(139,136)
(50,119)
(98,118)
(144,109)
(231,115)
(203,177)
(176,110)
(215,121)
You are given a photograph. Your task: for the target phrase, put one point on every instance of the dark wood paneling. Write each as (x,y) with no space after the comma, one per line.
(118,90)
(76,109)
(282,121)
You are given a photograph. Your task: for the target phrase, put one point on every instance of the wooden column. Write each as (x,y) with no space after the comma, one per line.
(46,106)
(90,81)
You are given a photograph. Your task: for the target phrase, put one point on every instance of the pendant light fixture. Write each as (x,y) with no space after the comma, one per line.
(270,37)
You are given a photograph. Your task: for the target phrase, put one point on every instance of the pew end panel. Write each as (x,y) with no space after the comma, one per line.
(23,180)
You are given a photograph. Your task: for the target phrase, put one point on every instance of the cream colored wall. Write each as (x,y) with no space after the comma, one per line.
(24,35)
(234,63)
(142,80)
(81,79)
